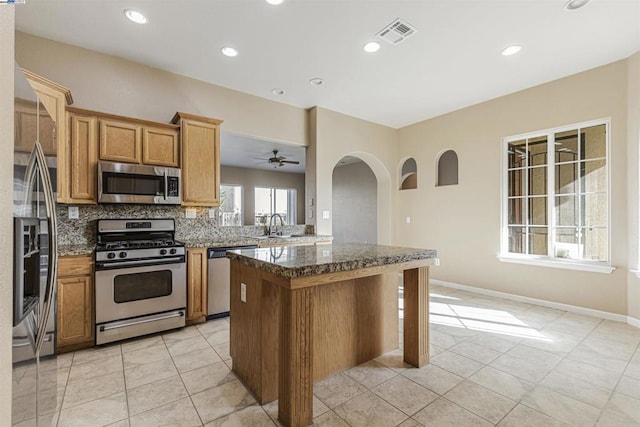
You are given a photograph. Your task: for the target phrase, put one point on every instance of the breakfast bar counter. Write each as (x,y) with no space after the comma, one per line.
(301,313)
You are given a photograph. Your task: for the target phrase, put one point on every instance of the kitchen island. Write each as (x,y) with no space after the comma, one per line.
(301,313)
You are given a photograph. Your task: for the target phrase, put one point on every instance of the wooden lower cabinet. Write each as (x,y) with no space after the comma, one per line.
(196,285)
(75,303)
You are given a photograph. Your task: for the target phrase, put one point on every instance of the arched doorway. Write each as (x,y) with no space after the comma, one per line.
(354,201)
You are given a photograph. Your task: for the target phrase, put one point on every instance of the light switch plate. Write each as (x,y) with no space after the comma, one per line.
(212,213)
(408,220)
(243,292)
(325,214)
(436,262)
(311,201)
(74,212)
(310,213)
(190,213)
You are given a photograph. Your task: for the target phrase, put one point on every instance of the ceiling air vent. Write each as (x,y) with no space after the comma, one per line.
(397,31)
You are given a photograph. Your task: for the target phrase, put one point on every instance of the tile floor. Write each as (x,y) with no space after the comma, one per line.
(493,362)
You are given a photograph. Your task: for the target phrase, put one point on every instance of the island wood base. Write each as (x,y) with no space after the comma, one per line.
(293,332)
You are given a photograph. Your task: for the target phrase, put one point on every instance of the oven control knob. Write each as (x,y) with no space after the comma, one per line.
(122,254)
(111,255)
(172,251)
(163,251)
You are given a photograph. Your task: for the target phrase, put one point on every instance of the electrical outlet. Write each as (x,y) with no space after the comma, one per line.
(190,213)
(436,262)
(212,213)
(243,292)
(325,214)
(74,212)
(408,220)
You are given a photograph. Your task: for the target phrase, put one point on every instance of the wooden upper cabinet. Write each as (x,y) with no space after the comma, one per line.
(120,141)
(160,147)
(200,153)
(27,125)
(53,130)
(83,159)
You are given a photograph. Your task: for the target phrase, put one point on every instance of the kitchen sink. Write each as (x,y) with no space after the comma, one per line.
(282,236)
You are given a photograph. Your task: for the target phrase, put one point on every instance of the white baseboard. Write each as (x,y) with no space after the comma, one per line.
(557,305)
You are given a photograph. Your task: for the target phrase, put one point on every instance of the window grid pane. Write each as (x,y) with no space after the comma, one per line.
(579,202)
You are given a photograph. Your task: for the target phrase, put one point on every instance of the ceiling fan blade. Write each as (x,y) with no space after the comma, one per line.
(293,162)
(259,158)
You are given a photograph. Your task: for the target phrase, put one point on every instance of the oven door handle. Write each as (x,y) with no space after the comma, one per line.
(169,260)
(139,322)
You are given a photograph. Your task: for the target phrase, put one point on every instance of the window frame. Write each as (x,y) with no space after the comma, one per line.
(292,205)
(550,260)
(242,204)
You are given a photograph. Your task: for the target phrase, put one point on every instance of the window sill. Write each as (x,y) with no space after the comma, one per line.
(596,267)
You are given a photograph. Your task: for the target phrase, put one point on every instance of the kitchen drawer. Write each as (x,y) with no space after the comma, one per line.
(75,266)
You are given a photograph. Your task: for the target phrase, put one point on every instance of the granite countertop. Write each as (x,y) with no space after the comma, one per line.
(75,250)
(299,261)
(254,241)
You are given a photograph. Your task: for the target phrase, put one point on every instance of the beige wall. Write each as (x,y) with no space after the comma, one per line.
(463,221)
(251,178)
(113,85)
(633,160)
(338,135)
(6,199)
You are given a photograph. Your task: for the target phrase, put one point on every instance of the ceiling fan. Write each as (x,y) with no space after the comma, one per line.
(279,161)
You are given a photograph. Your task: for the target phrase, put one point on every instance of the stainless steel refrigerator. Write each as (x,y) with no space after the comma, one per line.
(34,384)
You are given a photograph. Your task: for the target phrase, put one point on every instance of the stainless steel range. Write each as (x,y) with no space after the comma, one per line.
(140,279)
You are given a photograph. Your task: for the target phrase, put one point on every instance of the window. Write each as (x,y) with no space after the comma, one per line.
(230,211)
(556,202)
(270,201)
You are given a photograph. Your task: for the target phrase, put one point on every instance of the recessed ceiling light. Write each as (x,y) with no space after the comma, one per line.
(575,4)
(371,47)
(316,81)
(274,2)
(277,91)
(229,51)
(511,50)
(135,16)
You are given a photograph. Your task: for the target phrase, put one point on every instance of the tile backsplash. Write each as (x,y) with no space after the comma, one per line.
(82,231)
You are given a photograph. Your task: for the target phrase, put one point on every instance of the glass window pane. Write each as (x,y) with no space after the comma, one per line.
(516,209)
(517,180)
(538,210)
(262,205)
(595,210)
(594,175)
(566,210)
(566,245)
(516,151)
(230,211)
(595,142)
(538,240)
(566,146)
(595,243)
(537,149)
(517,240)
(566,178)
(538,181)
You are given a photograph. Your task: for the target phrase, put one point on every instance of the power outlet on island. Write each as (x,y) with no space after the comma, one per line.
(243,292)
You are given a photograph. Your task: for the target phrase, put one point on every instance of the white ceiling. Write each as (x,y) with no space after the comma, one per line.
(245,152)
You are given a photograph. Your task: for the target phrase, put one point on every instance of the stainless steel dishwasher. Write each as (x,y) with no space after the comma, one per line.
(218,289)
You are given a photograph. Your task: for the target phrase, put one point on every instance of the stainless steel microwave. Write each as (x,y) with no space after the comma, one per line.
(143,184)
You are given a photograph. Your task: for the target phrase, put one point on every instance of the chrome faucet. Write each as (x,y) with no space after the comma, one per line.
(273,230)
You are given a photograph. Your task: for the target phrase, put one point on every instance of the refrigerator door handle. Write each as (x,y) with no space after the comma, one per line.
(40,161)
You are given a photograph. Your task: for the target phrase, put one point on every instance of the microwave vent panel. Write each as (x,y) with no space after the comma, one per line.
(396,32)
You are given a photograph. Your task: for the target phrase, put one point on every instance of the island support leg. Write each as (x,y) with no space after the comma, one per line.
(295,393)
(416,316)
